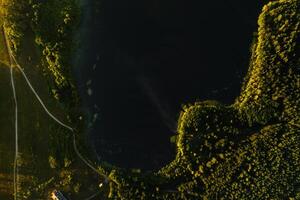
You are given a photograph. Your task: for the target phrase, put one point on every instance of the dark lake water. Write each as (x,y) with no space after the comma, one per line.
(140,60)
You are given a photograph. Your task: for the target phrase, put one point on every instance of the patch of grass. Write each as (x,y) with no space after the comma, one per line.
(39,136)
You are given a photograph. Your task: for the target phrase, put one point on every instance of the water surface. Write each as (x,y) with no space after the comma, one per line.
(141,60)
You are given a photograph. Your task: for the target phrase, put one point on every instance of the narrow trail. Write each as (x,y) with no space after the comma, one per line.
(13,62)
(54,118)
(15,165)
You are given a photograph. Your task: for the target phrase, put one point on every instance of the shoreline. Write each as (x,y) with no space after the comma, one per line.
(78,58)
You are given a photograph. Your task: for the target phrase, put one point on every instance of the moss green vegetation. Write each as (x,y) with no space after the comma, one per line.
(3,55)
(47,160)
(247,150)
(53,24)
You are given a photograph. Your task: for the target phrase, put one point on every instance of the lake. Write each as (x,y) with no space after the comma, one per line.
(140,61)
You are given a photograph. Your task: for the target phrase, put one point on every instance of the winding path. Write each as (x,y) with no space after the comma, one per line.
(13,62)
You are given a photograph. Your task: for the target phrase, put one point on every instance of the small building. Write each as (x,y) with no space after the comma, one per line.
(57,195)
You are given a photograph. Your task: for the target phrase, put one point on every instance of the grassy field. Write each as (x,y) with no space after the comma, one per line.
(6,123)
(46,156)
(3,55)
(40,138)
(3,52)
(6,133)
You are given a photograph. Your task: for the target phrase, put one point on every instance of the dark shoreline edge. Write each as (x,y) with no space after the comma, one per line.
(82,43)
